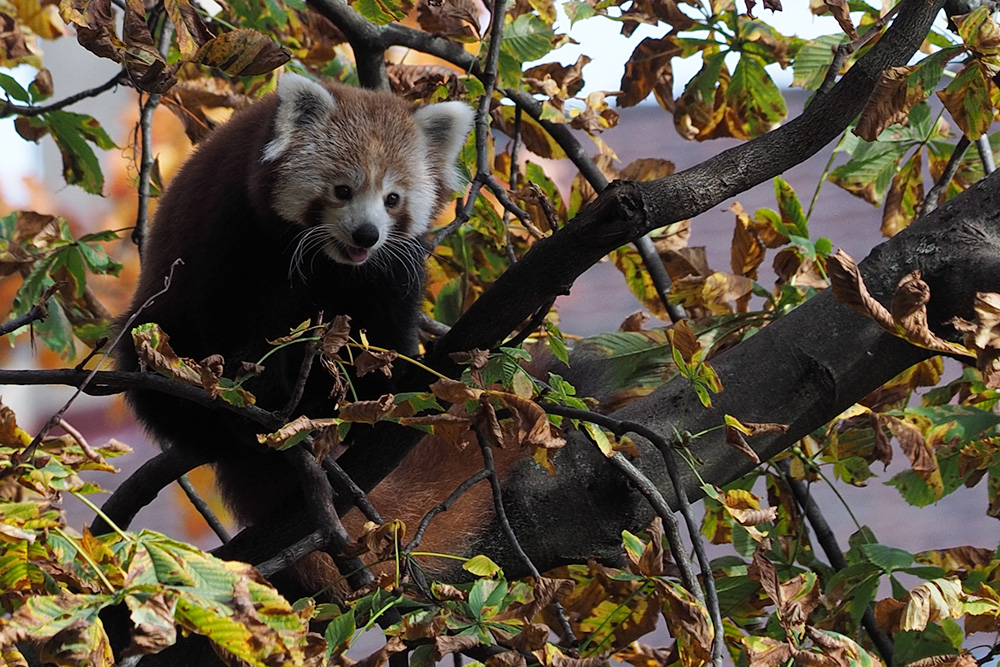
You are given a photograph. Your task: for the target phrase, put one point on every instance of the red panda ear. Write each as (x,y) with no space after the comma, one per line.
(303,108)
(444,127)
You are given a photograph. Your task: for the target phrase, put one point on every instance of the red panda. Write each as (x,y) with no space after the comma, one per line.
(312,199)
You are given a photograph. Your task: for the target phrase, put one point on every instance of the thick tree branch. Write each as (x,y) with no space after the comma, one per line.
(802,370)
(623,214)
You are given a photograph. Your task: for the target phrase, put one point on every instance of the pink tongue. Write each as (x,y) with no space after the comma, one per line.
(357,254)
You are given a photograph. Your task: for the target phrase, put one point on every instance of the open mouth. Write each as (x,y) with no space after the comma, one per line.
(354,254)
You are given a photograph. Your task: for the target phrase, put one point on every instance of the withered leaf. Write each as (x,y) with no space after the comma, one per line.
(458,19)
(154,628)
(367,412)
(242,52)
(736,440)
(849,289)
(890,103)
(371,360)
(649,70)
(190,31)
(293,432)
(841,12)
(683,340)
(635,321)
(336,335)
(455,391)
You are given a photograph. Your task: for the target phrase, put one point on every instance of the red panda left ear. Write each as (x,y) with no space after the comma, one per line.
(444,127)
(303,108)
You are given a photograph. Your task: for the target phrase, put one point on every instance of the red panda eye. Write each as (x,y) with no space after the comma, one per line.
(342,192)
(391,200)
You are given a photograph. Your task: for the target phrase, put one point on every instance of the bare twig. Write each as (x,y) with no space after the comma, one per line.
(203,509)
(954,162)
(828,541)
(8,109)
(670,526)
(488,465)
(141,487)
(339,479)
(308,357)
(444,506)
(29,451)
(146,158)
(37,313)
(319,497)
(844,51)
(536,321)
(621,427)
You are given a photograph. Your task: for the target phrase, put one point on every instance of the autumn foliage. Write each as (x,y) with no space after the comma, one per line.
(767,596)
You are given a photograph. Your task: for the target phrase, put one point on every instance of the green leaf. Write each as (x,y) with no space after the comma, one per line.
(527,38)
(886,558)
(482,566)
(339,631)
(13,88)
(814,59)
(755,103)
(73,134)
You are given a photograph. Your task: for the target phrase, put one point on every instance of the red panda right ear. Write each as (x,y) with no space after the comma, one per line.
(303,109)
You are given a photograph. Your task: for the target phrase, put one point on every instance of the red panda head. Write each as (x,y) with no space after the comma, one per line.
(358,170)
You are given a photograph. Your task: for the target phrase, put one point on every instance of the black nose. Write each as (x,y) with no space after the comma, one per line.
(366,235)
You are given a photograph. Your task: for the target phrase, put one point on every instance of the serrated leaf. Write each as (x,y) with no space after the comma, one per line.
(527,38)
(967,99)
(754,103)
(242,52)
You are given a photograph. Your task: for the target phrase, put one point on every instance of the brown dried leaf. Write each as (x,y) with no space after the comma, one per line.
(650,70)
(736,440)
(634,322)
(458,19)
(535,429)
(849,289)
(841,12)
(890,103)
(455,391)
(154,628)
(747,251)
(242,52)
(556,80)
(914,445)
(683,340)
(767,652)
(336,335)
(191,32)
(370,360)
(714,292)
(279,438)
(153,347)
(963,659)
(210,369)
(367,412)
(930,601)
(79,643)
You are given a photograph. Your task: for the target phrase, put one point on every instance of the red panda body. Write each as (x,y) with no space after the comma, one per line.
(312,199)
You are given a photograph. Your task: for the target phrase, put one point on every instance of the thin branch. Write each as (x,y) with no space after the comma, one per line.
(536,321)
(37,313)
(203,509)
(828,541)
(954,162)
(340,480)
(146,158)
(621,427)
(658,273)
(308,357)
(141,487)
(670,526)
(8,109)
(488,465)
(319,498)
(844,51)
(444,506)
(986,154)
